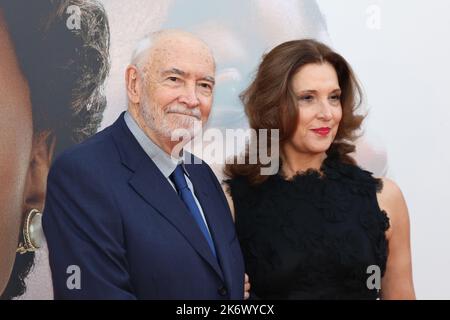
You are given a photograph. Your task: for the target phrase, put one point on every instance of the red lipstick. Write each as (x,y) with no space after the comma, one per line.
(322,131)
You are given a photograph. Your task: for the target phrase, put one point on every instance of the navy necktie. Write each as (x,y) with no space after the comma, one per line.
(186,195)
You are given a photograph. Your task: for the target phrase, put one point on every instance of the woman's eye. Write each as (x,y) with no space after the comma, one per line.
(307,98)
(335,97)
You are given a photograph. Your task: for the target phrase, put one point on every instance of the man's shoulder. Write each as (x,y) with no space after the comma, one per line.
(92,152)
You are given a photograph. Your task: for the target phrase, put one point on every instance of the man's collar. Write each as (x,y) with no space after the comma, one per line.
(165,163)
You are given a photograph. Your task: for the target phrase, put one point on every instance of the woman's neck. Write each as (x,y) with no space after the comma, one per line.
(294,161)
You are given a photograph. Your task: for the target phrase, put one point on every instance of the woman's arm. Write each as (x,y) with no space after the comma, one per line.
(397,283)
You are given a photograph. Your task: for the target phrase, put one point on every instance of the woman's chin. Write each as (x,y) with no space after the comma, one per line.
(318,147)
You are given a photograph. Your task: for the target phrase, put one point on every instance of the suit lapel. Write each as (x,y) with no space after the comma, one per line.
(148,181)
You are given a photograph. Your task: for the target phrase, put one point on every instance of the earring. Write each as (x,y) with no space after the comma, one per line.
(32,232)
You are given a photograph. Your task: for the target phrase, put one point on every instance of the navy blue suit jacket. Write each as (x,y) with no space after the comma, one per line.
(112,213)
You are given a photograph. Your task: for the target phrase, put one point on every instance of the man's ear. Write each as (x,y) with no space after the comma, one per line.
(133,84)
(40,161)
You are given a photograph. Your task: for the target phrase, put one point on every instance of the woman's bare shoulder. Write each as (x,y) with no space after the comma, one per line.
(392,201)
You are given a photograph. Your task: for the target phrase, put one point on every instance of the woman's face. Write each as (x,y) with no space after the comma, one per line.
(317,92)
(16,133)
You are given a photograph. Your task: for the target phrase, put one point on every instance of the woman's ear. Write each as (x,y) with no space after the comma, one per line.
(133,84)
(41,158)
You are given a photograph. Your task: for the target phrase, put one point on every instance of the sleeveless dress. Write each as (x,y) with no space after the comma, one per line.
(313,236)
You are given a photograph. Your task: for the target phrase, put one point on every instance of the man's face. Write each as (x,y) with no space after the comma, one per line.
(177,91)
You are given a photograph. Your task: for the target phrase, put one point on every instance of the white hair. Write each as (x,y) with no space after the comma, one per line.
(140,55)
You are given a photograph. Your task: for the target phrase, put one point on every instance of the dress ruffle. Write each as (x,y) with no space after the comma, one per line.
(312,236)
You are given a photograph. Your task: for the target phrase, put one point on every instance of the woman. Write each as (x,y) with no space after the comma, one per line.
(50,97)
(321,227)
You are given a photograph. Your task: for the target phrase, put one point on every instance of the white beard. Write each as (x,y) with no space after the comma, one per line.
(173,123)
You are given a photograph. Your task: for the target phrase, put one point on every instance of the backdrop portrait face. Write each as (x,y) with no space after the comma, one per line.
(16,132)
(51,97)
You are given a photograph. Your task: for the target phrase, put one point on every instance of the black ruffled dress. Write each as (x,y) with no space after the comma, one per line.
(313,236)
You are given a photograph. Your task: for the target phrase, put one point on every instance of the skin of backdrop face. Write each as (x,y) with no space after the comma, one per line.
(16,132)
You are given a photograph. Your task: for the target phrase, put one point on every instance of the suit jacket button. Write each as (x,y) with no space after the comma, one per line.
(223,291)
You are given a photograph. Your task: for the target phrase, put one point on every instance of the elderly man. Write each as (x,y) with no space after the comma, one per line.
(124,217)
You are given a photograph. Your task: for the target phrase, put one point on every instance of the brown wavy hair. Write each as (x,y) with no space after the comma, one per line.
(270,102)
